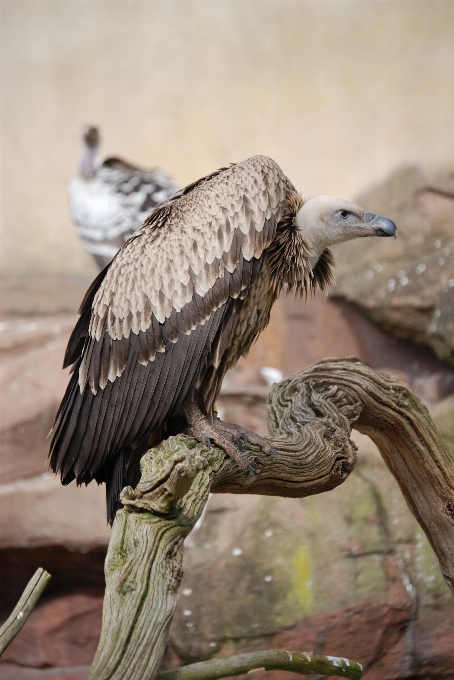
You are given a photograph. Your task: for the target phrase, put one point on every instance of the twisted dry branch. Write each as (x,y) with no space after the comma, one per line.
(310,417)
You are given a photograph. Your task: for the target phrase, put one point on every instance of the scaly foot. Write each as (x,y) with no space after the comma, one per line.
(226,435)
(239,432)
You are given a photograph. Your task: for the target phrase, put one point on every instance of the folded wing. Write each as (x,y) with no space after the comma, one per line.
(155,318)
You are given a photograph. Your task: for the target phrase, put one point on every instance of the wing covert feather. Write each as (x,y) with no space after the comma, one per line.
(166,262)
(173,262)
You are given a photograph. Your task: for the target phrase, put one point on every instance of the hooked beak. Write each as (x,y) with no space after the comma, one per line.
(382,226)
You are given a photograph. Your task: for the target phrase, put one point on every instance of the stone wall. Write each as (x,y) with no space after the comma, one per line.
(407,288)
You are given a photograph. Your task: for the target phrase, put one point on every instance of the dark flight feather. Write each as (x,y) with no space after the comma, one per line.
(80,332)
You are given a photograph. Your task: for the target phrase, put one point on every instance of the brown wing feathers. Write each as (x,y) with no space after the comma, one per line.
(166,304)
(166,385)
(134,403)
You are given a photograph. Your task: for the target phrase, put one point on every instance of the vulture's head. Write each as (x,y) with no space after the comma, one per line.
(325,220)
(90,137)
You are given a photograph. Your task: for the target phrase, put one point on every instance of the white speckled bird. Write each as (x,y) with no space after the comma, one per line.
(182,301)
(110,199)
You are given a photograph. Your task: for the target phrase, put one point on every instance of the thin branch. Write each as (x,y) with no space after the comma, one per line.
(24,608)
(303,663)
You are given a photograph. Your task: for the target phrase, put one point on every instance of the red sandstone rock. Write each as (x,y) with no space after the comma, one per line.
(62,632)
(390,642)
(407,287)
(14,672)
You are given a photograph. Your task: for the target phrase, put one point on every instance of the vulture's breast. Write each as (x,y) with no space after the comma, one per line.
(254,316)
(252,320)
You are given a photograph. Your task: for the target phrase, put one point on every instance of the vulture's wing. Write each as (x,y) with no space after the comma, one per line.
(109,208)
(165,305)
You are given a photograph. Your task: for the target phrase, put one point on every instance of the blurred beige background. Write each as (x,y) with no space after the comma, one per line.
(338,92)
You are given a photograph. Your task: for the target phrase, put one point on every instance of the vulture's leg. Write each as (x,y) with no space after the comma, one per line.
(247,436)
(219,432)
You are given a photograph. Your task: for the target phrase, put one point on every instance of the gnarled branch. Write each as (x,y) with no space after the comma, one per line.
(310,419)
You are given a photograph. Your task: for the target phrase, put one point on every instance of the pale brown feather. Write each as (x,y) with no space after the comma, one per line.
(159,270)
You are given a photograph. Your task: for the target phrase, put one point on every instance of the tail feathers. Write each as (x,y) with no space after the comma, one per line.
(119,473)
(114,485)
(56,456)
(76,453)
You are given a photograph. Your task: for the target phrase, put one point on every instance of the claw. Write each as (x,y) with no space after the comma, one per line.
(237,441)
(250,469)
(227,436)
(274,452)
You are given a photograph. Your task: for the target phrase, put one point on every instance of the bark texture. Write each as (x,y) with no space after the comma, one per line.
(310,418)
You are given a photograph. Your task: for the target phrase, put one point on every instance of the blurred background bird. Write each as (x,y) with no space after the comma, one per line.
(110,199)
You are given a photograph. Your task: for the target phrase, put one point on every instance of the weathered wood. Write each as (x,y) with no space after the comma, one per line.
(297,662)
(387,410)
(143,566)
(16,621)
(310,418)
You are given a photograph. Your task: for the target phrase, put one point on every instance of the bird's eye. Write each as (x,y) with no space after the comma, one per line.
(343,214)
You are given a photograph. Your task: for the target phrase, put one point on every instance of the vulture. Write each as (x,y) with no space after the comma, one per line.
(177,307)
(110,199)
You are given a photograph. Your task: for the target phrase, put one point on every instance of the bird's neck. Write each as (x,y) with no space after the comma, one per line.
(315,237)
(87,165)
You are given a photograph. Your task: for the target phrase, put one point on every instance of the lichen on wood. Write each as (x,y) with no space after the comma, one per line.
(310,417)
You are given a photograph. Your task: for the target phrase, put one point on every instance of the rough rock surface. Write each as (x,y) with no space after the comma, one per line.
(407,287)
(390,642)
(38,511)
(64,635)
(42,523)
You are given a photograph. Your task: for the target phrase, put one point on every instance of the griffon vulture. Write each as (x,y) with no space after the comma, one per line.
(181,302)
(109,200)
